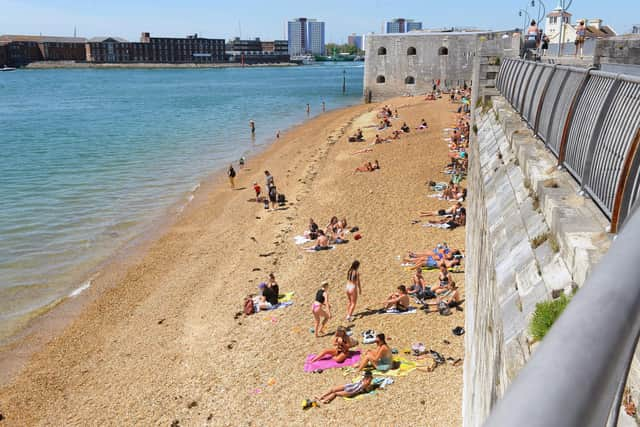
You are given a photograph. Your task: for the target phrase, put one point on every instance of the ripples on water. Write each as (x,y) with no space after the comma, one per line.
(91,157)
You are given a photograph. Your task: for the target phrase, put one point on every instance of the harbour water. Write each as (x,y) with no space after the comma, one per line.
(90,158)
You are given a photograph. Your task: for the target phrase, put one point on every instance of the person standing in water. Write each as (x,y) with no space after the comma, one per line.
(308,109)
(232,175)
(323,107)
(241,162)
(252,126)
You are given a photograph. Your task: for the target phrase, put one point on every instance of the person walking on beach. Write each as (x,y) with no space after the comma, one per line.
(273,196)
(353,288)
(323,107)
(232,175)
(241,162)
(252,126)
(321,309)
(308,109)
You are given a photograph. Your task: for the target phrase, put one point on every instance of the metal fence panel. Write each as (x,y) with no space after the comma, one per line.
(507,76)
(584,123)
(515,81)
(549,104)
(534,87)
(612,146)
(500,79)
(536,96)
(525,87)
(563,105)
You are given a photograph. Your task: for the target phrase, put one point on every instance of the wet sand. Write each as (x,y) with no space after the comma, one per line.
(159,342)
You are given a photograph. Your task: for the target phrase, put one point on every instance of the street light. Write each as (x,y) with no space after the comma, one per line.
(564,6)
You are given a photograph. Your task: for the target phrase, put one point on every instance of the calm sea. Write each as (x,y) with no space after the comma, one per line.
(90,158)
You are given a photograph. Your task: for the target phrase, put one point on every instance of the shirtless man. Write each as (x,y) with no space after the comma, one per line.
(452,211)
(398,300)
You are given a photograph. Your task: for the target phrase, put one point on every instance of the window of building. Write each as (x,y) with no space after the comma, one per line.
(410,80)
(443,51)
(382,51)
(411,51)
(380,79)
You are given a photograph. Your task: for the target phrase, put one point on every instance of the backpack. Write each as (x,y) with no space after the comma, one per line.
(281,199)
(248,306)
(444,309)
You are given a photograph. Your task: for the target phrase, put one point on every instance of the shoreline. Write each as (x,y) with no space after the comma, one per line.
(50,320)
(159,332)
(44,65)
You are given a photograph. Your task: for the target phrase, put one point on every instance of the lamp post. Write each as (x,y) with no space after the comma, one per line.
(564,6)
(523,12)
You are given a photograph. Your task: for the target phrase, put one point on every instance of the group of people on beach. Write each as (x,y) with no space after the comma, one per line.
(333,233)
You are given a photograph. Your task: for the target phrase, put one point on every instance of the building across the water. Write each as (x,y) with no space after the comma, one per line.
(635,29)
(413,63)
(306,36)
(256,51)
(402,25)
(355,40)
(22,50)
(164,50)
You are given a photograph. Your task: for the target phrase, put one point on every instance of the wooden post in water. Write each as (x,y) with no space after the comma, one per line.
(344,81)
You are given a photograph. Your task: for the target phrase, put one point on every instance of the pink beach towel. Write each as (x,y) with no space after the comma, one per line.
(354,357)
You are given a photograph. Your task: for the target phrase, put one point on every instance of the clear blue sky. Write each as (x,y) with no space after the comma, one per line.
(266,18)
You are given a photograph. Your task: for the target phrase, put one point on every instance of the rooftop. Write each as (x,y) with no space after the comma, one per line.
(41,39)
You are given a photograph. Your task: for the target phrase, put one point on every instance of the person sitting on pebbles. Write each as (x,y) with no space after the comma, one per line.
(340,350)
(365,385)
(398,300)
(380,358)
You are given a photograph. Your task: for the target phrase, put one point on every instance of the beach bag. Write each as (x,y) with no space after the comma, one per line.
(281,199)
(248,306)
(443,308)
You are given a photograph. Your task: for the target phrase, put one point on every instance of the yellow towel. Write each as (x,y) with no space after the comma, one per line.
(286,297)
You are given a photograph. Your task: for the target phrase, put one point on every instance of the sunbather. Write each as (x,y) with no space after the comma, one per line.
(271,290)
(418,284)
(312,232)
(453,210)
(367,167)
(398,300)
(405,128)
(340,350)
(322,243)
(423,125)
(364,150)
(380,358)
(365,385)
(448,294)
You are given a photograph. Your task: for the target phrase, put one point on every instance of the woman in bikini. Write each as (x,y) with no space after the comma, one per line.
(353,288)
(321,309)
(365,385)
(380,358)
(340,350)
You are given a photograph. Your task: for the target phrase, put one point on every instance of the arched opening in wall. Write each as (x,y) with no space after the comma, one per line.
(443,51)
(411,51)
(382,50)
(380,79)
(410,80)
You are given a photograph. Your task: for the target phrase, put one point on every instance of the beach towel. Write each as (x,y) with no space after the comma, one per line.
(329,363)
(286,297)
(277,306)
(412,310)
(300,240)
(311,249)
(406,366)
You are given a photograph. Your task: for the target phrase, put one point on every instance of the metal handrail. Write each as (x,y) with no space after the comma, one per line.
(576,376)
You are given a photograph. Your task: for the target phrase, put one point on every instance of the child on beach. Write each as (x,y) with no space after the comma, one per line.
(257,189)
(365,385)
(232,175)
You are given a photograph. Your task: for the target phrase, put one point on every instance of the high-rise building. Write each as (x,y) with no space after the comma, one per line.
(636,29)
(306,36)
(413,25)
(315,37)
(297,36)
(396,26)
(355,40)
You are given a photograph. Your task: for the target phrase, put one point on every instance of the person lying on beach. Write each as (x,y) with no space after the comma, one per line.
(321,309)
(376,165)
(365,150)
(358,137)
(435,260)
(340,349)
(423,125)
(382,125)
(430,97)
(457,219)
(365,385)
(455,209)
(398,300)
(454,192)
(380,358)
(405,128)
(261,303)
(367,167)
(378,140)
(396,134)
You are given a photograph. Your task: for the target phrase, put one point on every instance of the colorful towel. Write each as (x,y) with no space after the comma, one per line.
(381,382)
(412,310)
(406,366)
(324,364)
(286,297)
(311,249)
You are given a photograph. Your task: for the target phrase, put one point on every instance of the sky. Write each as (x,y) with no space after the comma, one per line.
(267,18)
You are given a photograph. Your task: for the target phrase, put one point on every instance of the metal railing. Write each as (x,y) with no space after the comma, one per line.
(577,375)
(589,119)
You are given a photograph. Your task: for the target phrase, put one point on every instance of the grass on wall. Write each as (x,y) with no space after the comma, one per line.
(546,313)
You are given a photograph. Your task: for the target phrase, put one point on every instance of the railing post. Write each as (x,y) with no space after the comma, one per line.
(541,103)
(572,109)
(630,164)
(591,148)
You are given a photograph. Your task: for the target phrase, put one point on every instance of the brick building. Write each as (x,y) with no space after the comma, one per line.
(4,56)
(21,50)
(163,50)
(255,51)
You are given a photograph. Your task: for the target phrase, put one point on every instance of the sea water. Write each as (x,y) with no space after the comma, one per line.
(89,158)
